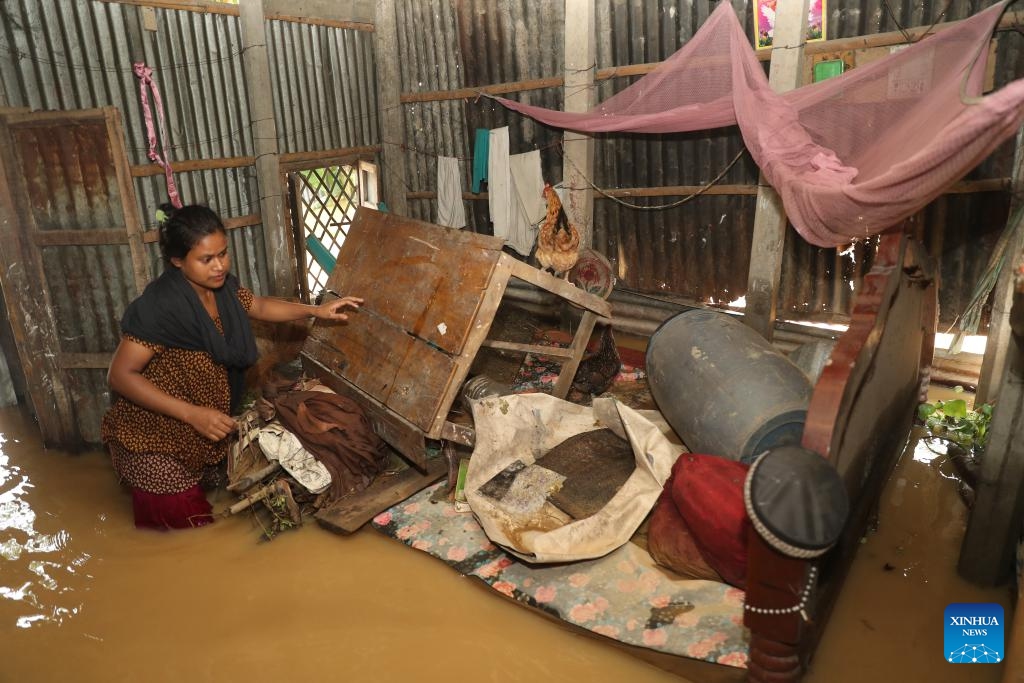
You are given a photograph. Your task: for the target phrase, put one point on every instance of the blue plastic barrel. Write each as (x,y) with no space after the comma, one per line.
(724,389)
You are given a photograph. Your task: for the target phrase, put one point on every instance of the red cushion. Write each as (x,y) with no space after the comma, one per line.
(672,545)
(708,492)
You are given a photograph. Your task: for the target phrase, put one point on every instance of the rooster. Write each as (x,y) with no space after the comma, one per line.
(597,371)
(558,241)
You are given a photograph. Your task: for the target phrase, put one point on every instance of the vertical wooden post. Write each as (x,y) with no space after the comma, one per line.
(580,96)
(998,344)
(256,65)
(993,530)
(769,218)
(389,86)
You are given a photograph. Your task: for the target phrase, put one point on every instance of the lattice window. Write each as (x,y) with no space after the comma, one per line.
(327,199)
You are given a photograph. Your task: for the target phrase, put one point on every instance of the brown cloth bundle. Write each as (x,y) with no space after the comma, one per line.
(335,430)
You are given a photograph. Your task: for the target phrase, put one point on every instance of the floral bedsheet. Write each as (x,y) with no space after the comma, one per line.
(623,595)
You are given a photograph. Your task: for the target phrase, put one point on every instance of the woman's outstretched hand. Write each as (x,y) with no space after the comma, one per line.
(332,310)
(210,422)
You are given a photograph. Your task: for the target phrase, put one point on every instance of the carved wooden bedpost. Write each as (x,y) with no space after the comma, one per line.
(856,427)
(797,506)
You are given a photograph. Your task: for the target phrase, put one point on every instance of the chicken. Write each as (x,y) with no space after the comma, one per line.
(597,371)
(558,242)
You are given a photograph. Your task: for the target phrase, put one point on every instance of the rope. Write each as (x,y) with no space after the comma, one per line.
(660,207)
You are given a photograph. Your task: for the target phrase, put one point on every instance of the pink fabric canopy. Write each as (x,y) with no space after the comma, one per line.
(850,156)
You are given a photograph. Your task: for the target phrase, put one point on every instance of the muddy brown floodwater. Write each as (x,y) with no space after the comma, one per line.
(86,597)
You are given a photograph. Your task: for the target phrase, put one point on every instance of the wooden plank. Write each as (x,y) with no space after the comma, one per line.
(347,515)
(460,434)
(256,66)
(389,79)
(129,205)
(404,437)
(366,352)
(993,530)
(189,165)
(340,154)
(479,328)
(421,389)
(316,21)
(552,351)
(200,6)
(61,238)
(579,95)
(961,187)
(495,89)
(560,287)
(578,346)
(47,118)
(831,401)
(435,275)
(769,237)
(999,344)
(22,277)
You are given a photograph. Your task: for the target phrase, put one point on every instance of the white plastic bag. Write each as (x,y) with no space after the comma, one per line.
(525,427)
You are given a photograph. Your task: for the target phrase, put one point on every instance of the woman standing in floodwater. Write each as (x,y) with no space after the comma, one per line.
(178,371)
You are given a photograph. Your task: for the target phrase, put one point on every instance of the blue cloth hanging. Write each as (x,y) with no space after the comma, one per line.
(481,152)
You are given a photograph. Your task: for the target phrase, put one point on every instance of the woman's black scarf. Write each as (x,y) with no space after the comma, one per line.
(169,313)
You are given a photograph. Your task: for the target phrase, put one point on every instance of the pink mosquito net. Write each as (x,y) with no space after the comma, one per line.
(850,156)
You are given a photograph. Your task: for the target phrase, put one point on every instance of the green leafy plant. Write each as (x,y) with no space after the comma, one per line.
(954,421)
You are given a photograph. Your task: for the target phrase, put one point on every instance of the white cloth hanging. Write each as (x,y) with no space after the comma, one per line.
(528,205)
(451,211)
(499,183)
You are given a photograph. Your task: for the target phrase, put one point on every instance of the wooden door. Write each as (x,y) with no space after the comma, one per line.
(73,258)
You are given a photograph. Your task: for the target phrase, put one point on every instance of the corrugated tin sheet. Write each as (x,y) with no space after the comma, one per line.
(77,54)
(327,86)
(699,250)
(469,43)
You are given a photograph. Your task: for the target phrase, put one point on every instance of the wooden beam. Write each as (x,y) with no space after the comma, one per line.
(998,345)
(769,218)
(290,158)
(629,70)
(229,224)
(580,96)
(61,238)
(315,21)
(348,514)
(207,7)
(188,165)
(256,65)
(389,81)
(993,530)
(297,158)
(496,89)
(962,187)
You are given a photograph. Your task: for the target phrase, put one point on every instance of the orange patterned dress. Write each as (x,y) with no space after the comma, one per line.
(157,453)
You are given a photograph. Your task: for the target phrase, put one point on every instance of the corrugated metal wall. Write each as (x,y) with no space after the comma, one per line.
(699,250)
(326,83)
(78,54)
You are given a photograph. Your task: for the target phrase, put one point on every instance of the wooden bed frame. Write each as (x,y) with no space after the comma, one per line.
(859,419)
(859,415)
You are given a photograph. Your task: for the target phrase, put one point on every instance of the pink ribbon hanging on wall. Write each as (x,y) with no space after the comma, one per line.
(145,76)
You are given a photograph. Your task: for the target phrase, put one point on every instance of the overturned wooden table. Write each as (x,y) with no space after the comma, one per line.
(431,294)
